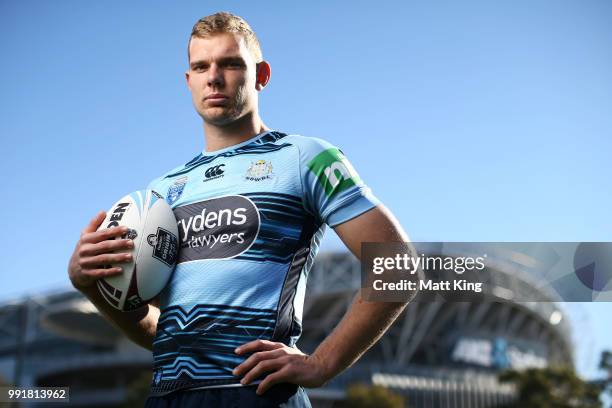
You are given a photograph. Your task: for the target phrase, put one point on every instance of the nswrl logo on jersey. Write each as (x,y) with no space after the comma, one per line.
(157,376)
(175,190)
(334,171)
(259,170)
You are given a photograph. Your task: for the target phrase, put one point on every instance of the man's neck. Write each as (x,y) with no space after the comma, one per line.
(220,137)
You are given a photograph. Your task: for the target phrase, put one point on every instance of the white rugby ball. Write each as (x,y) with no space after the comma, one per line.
(154,230)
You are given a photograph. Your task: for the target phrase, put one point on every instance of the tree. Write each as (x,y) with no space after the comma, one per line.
(606,364)
(552,387)
(138,390)
(372,396)
(606,361)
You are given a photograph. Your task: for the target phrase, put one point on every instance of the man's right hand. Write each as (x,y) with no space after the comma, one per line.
(94,250)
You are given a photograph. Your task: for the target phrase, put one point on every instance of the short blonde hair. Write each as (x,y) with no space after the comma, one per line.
(224,22)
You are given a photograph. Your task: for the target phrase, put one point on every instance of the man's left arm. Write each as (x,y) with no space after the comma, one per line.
(362,325)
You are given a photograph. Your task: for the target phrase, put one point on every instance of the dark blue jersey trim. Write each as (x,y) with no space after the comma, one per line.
(264,144)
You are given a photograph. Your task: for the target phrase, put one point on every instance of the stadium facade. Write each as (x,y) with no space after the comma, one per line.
(437,354)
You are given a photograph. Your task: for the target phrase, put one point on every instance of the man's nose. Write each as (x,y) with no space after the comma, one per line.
(215,76)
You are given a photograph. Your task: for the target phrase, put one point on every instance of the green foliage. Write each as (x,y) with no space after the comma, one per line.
(138,391)
(605,363)
(554,387)
(375,396)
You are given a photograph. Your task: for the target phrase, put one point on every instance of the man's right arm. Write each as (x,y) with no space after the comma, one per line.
(97,248)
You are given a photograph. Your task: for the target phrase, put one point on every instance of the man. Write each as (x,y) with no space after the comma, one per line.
(251,210)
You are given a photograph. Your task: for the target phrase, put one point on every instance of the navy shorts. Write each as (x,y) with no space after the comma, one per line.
(279,396)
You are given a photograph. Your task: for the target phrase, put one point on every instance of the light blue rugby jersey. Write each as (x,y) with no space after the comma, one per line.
(250,220)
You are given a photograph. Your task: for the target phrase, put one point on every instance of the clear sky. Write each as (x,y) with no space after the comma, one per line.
(471,120)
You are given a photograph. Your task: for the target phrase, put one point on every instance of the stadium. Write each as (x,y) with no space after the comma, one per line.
(437,354)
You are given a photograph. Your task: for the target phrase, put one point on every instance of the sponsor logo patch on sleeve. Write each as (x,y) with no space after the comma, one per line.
(333,171)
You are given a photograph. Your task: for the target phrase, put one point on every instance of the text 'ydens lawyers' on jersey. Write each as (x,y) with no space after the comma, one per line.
(250,220)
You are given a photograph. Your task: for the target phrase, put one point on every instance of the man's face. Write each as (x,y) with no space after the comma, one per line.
(222,78)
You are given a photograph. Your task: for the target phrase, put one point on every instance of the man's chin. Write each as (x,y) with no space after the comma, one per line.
(218,118)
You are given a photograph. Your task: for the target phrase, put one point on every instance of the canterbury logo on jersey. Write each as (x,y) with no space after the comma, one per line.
(218,228)
(214,172)
(333,171)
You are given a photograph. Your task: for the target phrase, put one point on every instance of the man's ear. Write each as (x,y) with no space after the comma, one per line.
(187,79)
(262,75)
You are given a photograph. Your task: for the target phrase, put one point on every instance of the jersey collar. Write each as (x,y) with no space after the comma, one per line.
(232,147)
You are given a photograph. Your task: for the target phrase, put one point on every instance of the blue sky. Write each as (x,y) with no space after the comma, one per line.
(472,121)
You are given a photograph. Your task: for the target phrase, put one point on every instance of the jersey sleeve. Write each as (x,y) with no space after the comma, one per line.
(332,188)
